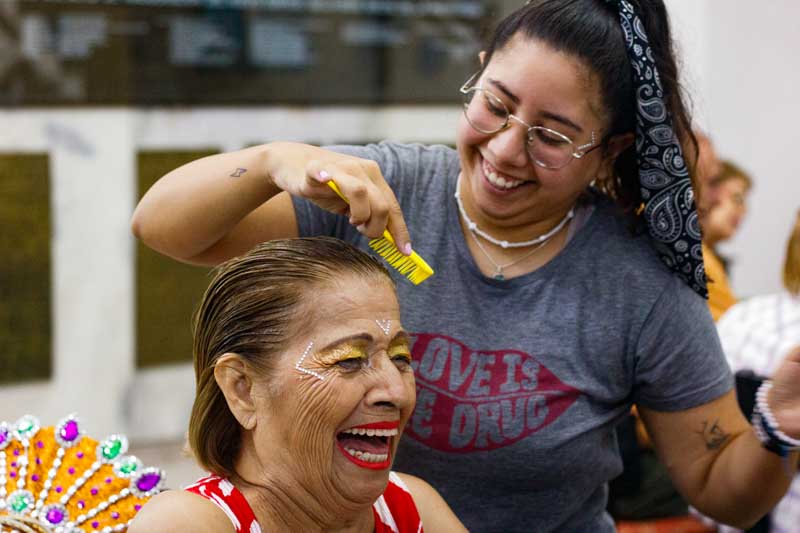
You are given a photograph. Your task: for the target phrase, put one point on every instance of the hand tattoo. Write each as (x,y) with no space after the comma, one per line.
(238,172)
(713,435)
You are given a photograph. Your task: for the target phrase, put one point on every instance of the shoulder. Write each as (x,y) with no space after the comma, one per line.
(760,304)
(408,158)
(711,259)
(413,151)
(385,150)
(758,312)
(613,249)
(755,320)
(419,174)
(176,511)
(618,232)
(434,512)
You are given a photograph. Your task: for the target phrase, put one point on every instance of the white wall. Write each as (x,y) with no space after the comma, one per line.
(741,61)
(754,112)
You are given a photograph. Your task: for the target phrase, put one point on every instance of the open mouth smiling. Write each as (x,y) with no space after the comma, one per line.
(369,445)
(497,179)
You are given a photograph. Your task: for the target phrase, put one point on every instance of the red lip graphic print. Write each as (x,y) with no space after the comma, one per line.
(469,400)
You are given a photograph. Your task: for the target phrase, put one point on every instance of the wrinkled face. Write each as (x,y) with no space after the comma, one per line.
(542,87)
(342,394)
(726,215)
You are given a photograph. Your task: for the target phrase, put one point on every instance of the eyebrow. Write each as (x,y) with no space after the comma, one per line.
(505,90)
(563,120)
(546,114)
(365,337)
(401,336)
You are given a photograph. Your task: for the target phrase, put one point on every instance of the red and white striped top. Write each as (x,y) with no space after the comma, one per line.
(394,510)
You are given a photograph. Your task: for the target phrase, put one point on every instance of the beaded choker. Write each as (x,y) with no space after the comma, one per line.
(473,227)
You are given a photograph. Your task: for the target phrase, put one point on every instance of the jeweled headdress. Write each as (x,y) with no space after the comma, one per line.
(56,479)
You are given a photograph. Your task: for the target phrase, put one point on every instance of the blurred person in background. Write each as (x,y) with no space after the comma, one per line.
(730,186)
(707,168)
(756,334)
(304,386)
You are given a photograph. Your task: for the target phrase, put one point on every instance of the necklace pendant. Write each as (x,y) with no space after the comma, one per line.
(498,275)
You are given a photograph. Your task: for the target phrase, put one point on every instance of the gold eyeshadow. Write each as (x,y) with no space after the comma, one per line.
(399,347)
(341,353)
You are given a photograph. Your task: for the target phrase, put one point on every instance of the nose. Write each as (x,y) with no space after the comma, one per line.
(509,145)
(391,387)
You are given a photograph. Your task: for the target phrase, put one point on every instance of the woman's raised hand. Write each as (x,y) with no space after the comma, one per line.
(371,204)
(784,397)
(220,206)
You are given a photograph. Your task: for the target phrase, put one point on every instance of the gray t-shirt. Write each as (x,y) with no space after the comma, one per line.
(520,382)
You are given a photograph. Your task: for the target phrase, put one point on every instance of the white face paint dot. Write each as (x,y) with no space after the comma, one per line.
(385,325)
(299,365)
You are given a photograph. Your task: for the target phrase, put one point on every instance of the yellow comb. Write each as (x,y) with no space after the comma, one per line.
(411,266)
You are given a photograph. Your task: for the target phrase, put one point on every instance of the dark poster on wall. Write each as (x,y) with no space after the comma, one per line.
(237,52)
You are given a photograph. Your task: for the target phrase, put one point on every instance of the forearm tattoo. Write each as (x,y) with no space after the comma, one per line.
(238,172)
(713,435)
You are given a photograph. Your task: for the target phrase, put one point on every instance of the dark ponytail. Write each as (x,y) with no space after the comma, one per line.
(590,30)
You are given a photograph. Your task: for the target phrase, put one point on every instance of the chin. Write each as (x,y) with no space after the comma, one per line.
(360,486)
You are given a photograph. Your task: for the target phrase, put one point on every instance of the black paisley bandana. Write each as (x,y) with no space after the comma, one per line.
(665,184)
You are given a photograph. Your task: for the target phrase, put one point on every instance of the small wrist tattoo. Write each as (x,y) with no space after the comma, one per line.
(238,172)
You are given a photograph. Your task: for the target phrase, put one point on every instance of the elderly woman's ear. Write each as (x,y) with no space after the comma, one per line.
(234,379)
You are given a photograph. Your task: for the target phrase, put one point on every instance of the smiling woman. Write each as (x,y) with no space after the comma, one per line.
(569,279)
(304,386)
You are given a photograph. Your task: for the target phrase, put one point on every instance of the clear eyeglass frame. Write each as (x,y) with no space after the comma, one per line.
(577,152)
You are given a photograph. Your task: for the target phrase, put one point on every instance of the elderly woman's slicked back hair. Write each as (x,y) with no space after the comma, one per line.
(252,307)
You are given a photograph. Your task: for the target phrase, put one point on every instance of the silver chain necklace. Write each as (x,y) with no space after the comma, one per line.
(498,269)
(537,243)
(473,227)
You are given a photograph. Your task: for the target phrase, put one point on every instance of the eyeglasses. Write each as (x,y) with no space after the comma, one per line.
(488,114)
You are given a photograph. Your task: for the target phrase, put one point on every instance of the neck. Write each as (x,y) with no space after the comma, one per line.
(711,240)
(511,234)
(278,510)
(281,502)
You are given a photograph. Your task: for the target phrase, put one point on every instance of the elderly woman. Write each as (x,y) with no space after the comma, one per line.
(304,386)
